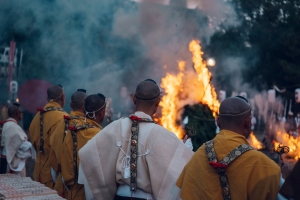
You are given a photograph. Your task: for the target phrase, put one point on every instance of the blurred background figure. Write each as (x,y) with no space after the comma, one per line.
(4,108)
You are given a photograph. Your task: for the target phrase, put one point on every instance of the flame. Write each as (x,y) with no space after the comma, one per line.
(287,140)
(254,142)
(187,87)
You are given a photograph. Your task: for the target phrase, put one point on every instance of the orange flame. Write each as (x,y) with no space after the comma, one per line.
(286,140)
(254,142)
(187,87)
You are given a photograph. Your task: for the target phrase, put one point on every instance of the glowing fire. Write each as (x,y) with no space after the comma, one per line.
(286,140)
(254,142)
(187,87)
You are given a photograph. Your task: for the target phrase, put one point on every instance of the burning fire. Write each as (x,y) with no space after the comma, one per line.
(254,142)
(187,87)
(286,140)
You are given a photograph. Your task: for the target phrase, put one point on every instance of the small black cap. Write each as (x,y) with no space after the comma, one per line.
(81,90)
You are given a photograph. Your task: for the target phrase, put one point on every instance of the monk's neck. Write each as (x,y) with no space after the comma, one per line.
(146,111)
(16,118)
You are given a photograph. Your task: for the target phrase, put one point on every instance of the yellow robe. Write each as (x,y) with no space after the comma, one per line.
(251,176)
(67,165)
(42,169)
(56,149)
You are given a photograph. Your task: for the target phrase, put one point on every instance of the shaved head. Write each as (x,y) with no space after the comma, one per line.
(94,107)
(234,115)
(77,99)
(147,97)
(147,90)
(94,103)
(14,111)
(54,92)
(234,106)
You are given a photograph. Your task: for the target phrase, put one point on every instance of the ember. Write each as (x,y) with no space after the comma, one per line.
(187,87)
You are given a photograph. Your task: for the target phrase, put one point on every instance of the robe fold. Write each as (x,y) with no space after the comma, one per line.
(76,190)
(42,169)
(56,143)
(161,158)
(251,176)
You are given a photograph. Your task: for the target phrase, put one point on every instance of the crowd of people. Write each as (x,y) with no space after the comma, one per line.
(133,158)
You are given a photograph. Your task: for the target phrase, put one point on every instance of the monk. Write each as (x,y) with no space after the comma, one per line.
(56,141)
(134,158)
(41,129)
(16,146)
(227,167)
(80,132)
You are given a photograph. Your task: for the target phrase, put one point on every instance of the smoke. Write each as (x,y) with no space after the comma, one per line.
(102,45)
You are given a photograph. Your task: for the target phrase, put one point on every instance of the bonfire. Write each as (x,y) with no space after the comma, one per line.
(254,142)
(187,87)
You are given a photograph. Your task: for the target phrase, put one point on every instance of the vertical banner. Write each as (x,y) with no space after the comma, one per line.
(11,63)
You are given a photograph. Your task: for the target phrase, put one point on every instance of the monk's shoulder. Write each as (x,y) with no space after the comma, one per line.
(93,131)
(257,158)
(163,131)
(201,153)
(115,126)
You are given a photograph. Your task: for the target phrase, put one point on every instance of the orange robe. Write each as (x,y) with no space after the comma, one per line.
(56,148)
(42,169)
(67,162)
(252,176)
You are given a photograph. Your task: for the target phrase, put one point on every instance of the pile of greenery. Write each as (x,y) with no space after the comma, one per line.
(202,121)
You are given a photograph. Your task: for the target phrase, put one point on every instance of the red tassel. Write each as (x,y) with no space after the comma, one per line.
(135,118)
(217,165)
(40,109)
(67,117)
(72,128)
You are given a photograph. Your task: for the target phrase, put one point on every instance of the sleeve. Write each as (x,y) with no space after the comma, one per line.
(56,145)
(82,180)
(33,130)
(67,161)
(17,164)
(166,160)
(98,167)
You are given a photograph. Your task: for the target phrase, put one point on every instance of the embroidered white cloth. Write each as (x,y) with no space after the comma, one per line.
(162,157)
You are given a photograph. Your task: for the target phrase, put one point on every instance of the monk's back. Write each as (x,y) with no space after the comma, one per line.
(42,170)
(251,176)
